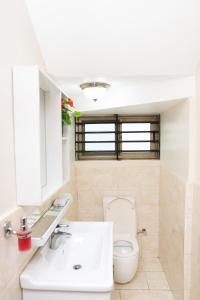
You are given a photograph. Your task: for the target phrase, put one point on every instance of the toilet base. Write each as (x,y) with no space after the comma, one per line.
(125,269)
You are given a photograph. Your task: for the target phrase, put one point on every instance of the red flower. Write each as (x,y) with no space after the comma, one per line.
(70,102)
(63,104)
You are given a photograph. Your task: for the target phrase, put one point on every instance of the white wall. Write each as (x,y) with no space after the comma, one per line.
(175,139)
(197,128)
(18,47)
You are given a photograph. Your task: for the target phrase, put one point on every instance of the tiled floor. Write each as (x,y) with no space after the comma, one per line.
(148,284)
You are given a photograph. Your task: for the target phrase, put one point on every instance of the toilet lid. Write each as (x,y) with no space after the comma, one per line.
(121,211)
(123,247)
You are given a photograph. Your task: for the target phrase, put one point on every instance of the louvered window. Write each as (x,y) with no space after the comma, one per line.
(117,137)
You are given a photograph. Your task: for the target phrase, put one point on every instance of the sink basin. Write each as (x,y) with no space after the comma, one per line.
(83,264)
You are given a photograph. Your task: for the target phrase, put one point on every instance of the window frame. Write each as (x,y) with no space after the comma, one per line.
(118,154)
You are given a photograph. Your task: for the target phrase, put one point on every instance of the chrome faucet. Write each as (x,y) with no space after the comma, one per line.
(55,239)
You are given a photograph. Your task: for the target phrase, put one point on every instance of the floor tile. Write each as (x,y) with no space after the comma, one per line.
(150,265)
(146,295)
(115,295)
(157,281)
(161,295)
(138,282)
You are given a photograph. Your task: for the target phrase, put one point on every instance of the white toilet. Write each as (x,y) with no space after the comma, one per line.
(121,211)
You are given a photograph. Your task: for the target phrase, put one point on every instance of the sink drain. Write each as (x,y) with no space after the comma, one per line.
(77,267)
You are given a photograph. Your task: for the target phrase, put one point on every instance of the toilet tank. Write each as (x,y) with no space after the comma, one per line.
(121,211)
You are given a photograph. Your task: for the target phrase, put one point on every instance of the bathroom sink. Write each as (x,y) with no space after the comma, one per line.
(82,262)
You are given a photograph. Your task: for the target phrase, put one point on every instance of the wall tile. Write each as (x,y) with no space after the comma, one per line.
(195,251)
(139,179)
(171,227)
(12,261)
(150,245)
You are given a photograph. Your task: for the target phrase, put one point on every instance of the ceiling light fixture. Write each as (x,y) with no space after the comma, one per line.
(94,90)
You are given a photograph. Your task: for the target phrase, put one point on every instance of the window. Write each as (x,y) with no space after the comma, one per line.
(117,137)
(97,138)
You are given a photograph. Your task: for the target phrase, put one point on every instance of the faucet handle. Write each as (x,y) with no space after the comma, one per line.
(62,226)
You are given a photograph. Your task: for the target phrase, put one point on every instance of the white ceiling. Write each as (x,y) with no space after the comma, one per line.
(139,109)
(80,38)
(131,91)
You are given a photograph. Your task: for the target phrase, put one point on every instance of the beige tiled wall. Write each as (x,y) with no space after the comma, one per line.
(195,251)
(172,227)
(96,179)
(12,261)
(188,241)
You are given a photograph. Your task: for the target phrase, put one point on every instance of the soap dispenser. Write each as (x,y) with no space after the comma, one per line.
(24,236)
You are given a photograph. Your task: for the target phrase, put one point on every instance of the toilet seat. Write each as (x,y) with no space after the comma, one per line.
(125,247)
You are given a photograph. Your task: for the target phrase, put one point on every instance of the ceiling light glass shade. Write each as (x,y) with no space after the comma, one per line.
(94,93)
(94,90)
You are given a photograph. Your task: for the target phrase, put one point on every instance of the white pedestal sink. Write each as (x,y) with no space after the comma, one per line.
(80,269)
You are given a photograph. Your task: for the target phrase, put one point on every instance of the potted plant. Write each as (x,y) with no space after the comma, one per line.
(68,110)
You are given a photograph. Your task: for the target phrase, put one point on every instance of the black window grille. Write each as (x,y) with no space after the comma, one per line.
(117,137)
